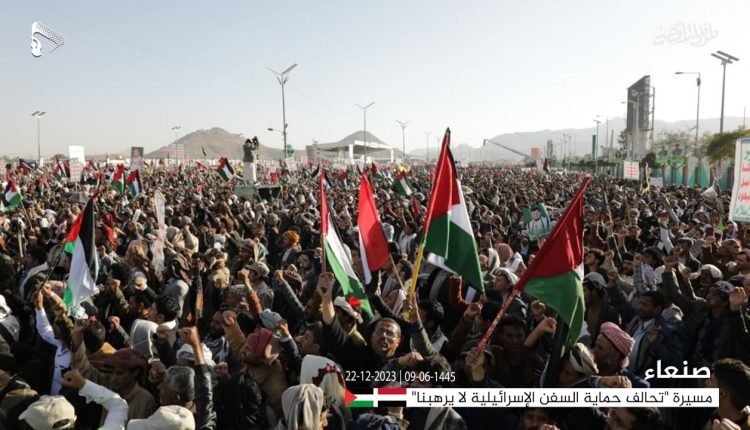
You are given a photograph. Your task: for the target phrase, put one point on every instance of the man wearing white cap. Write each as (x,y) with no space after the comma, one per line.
(166,418)
(55,412)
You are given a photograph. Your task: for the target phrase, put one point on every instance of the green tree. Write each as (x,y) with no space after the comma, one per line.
(721,145)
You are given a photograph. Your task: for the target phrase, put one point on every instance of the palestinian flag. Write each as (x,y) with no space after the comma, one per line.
(58,172)
(225,170)
(84,267)
(134,183)
(447,231)
(91,166)
(555,276)
(12,197)
(546,166)
(43,184)
(25,165)
(373,248)
(202,167)
(70,239)
(337,257)
(98,176)
(415,208)
(401,185)
(118,180)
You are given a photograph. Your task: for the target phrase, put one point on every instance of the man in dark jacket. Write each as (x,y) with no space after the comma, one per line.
(655,339)
(706,322)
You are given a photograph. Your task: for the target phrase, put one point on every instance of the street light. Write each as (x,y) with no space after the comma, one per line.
(364,113)
(427,154)
(282,78)
(403,137)
(175,128)
(725,59)
(698,108)
(596,145)
(38,114)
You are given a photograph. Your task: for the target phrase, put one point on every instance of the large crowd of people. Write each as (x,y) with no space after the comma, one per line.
(245,327)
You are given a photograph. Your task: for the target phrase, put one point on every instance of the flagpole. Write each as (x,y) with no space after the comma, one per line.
(552,377)
(522,282)
(496,321)
(417,267)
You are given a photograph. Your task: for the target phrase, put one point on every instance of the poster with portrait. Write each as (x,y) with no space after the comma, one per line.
(662,154)
(136,158)
(677,154)
(537,221)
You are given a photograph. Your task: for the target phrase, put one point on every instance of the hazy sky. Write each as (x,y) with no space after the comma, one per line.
(131,70)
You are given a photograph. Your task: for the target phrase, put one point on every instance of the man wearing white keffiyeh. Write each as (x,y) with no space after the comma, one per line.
(304,408)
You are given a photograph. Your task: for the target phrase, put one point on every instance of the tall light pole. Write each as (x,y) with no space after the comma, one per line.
(282,78)
(427,139)
(403,137)
(175,128)
(596,146)
(725,59)
(38,114)
(698,107)
(364,133)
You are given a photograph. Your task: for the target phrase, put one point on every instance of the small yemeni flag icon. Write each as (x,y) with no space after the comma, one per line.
(401,185)
(373,247)
(84,266)
(381,397)
(12,197)
(225,170)
(337,256)
(134,183)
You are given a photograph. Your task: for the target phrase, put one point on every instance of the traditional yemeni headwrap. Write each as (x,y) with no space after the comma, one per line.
(582,360)
(327,375)
(504,251)
(258,340)
(622,341)
(292,236)
(302,405)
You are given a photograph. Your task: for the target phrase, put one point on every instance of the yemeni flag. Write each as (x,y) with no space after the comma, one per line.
(447,233)
(555,276)
(337,257)
(373,248)
(546,166)
(202,167)
(134,183)
(84,267)
(118,180)
(225,170)
(401,185)
(12,197)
